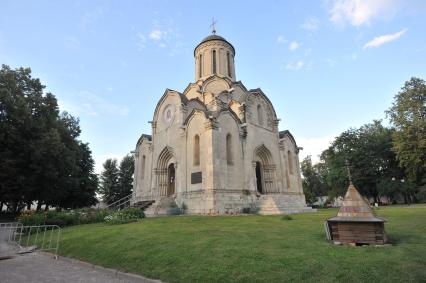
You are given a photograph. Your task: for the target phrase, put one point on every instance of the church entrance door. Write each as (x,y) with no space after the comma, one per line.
(259,180)
(171,179)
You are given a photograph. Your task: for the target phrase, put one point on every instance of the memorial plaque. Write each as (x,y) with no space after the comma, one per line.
(196,178)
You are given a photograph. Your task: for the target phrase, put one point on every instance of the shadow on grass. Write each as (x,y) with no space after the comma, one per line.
(400,238)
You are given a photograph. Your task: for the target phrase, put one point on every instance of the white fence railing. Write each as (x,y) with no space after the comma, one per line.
(16,238)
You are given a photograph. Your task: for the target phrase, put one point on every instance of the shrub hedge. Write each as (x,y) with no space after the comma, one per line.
(63,218)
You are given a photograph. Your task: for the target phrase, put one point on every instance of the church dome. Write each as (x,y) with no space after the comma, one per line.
(214,55)
(214,37)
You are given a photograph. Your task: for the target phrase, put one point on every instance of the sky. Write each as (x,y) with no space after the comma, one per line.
(326,66)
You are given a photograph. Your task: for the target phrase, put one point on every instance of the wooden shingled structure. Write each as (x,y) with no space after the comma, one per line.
(355,223)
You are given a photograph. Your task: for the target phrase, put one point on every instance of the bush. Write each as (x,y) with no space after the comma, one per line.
(92,215)
(31,218)
(126,215)
(286,217)
(174,209)
(63,218)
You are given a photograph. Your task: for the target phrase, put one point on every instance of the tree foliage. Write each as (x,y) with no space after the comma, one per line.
(314,180)
(117,182)
(369,153)
(109,188)
(125,175)
(408,116)
(41,158)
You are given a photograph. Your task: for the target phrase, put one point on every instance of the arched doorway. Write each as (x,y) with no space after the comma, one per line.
(171,179)
(264,170)
(165,171)
(259,180)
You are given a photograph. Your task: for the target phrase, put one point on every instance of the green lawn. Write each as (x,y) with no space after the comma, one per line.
(252,249)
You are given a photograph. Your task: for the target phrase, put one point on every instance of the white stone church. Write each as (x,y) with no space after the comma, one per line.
(215,148)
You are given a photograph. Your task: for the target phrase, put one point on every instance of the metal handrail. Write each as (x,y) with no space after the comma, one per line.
(118,201)
(129,199)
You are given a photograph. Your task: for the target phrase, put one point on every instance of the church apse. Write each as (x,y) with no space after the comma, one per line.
(215,148)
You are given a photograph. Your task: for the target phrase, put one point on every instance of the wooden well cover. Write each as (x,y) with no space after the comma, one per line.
(354,205)
(355,222)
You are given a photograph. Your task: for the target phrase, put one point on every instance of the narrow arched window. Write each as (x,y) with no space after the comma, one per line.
(200,66)
(228,64)
(290,161)
(229,153)
(259,115)
(196,150)
(214,61)
(143,166)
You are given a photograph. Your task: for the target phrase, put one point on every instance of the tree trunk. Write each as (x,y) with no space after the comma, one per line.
(29,203)
(376,199)
(46,208)
(15,207)
(38,205)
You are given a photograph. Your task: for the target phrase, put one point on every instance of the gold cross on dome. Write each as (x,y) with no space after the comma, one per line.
(213,26)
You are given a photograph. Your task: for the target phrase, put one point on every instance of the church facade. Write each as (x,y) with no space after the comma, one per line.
(215,148)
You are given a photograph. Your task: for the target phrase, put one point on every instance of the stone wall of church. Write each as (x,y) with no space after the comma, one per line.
(290,159)
(196,126)
(228,158)
(167,134)
(143,168)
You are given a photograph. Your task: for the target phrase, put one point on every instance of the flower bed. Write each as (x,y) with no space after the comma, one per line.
(124,216)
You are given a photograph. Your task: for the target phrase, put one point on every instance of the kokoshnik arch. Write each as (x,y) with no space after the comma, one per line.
(215,148)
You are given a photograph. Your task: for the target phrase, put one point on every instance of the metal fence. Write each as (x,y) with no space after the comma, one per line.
(17,239)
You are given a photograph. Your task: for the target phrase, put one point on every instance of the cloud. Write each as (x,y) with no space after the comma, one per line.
(293,45)
(141,40)
(90,104)
(295,65)
(331,62)
(165,35)
(71,42)
(379,40)
(157,35)
(311,24)
(314,146)
(360,12)
(281,39)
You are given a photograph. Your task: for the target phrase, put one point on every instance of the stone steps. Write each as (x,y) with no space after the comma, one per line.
(282,204)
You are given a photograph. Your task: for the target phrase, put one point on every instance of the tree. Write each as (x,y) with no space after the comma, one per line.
(41,158)
(408,116)
(117,182)
(314,180)
(125,175)
(109,186)
(369,152)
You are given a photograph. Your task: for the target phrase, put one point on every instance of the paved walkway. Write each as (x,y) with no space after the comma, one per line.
(42,267)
